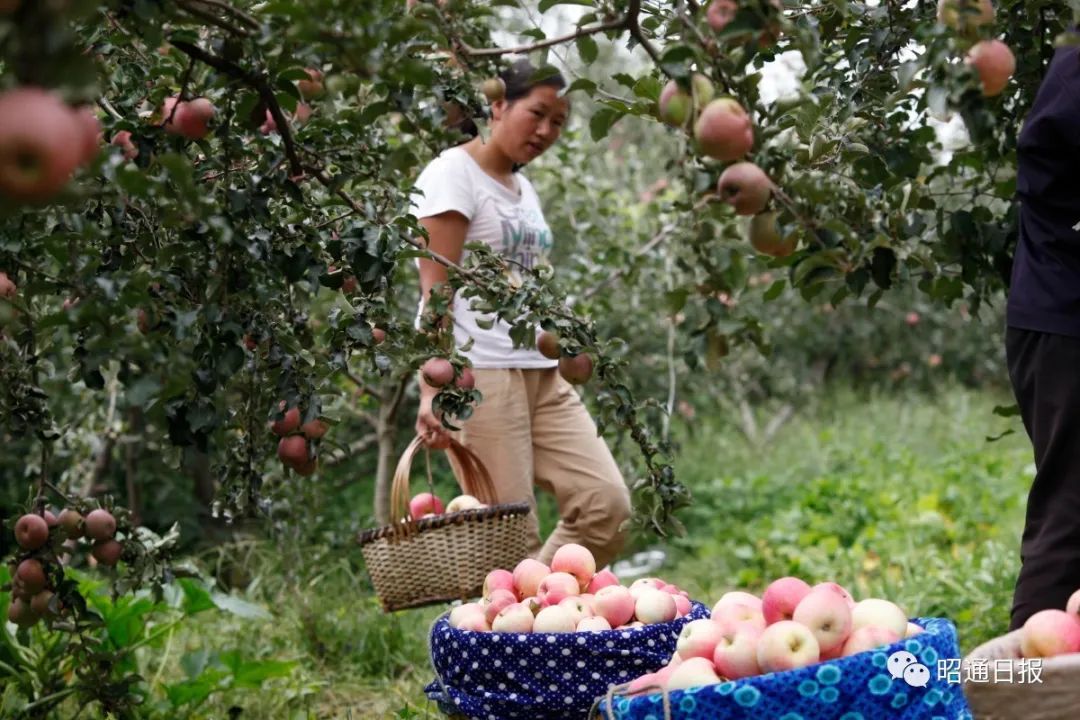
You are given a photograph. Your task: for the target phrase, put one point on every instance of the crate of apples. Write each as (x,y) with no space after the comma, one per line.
(766,655)
(577,630)
(1048,644)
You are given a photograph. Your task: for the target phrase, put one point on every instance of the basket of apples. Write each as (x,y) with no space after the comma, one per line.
(1002,683)
(431,553)
(799,652)
(543,642)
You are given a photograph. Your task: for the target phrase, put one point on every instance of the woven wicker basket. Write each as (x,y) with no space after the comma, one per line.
(1056,697)
(413,563)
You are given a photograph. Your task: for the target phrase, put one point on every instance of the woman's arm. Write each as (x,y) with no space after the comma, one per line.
(447,233)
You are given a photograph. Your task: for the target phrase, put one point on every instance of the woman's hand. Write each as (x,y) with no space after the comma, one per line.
(429,426)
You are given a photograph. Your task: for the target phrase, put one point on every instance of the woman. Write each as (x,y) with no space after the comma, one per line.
(531,427)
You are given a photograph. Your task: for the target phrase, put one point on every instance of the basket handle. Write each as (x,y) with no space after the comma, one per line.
(475,479)
(619,691)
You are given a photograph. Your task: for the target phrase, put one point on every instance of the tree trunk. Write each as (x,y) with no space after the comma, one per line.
(386,431)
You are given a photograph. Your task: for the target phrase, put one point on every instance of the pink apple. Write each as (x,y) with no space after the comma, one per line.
(593,624)
(699,639)
(615,604)
(682,605)
(827,615)
(601,580)
(498,600)
(874,612)
(1073,605)
(780,598)
(532,603)
(693,672)
(913,630)
(868,638)
(735,655)
(424,503)
(462,611)
(833,655)
(577,561)
(738,596)
(556,587)
(654,606)
(644,685)
(499,580)
(516,618)
(577,609)
(642,584)
(528,575)
(738,611)
(1050,632)
(838,589)
(554,619)
(786,645)
(475,623)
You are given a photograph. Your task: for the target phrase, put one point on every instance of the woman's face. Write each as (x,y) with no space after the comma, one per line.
(528,126)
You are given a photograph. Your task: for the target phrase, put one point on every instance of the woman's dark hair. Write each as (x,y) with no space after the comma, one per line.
(521,77)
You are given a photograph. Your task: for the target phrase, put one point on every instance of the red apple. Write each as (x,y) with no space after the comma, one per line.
(745,187)
(8,289)
(107,552)
(781,598)
(313,86)
(499,599)
(437,372)
(99,525)
(675,104)
(32,576)
(548,345)
(615,604)
(868,638)
(194,118)
(828,617)
(31,531)
(293,451)
(994,63)
(720,13)
(576,369)
(528,575)
(555,587)
(602,579)
(289,423)
(1050,632)
(576,560)
(90,135)
(499,580)
(40,144)
(314,429)
(735,655)
(424,503)
(122,140)
(724,130)
(699,638)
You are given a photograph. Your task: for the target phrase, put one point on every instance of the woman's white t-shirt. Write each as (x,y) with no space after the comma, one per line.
(512,224)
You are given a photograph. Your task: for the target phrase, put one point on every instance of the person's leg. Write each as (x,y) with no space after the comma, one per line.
(499,433)
(574,464)
(1045,374)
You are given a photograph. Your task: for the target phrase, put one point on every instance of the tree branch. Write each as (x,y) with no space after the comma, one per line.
(620,24)
(192,7)
(632,24)
(260,85)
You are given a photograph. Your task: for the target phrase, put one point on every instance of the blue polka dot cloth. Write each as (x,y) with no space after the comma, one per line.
(542,676)
(858,687)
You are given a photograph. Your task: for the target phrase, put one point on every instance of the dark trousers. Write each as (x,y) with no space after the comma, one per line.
(1045,374)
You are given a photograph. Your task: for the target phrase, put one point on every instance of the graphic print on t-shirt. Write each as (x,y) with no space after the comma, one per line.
(526,238)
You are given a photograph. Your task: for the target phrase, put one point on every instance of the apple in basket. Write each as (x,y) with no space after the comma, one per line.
(692,672)
(786,645)
(874,612)
(594,623)
(699,638)
(423,504)
(554,619)
(780,598)
(615,604)
(868,638)
(499,599)
(464,502)
(735,656)
(575,560)
(827,614)
(602,579)
(654,606)
(1050,632)
(556,587)
(516,618)
(528,575)
(499,580)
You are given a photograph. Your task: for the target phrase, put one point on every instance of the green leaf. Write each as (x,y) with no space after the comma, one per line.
(196,596)
(584,84)
(546,5)
(1007,411)
(240,608)
(587,48)
(601,122)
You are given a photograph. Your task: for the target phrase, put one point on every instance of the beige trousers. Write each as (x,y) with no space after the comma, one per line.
(532,429)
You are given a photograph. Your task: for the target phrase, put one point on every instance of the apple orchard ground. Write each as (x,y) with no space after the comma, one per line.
(901,498)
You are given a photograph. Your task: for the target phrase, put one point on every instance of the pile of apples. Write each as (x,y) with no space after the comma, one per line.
(1052,632)
(792,625)
(426,505)
(569,596)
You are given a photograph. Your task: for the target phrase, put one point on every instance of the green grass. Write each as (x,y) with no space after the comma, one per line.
(901,498)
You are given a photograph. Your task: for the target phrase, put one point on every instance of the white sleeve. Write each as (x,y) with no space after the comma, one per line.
(444,185)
